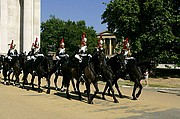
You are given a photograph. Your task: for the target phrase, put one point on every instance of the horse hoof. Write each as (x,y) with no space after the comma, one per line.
(48,92)
(85,91)
(39,91)
(63,90)
(116,101)
(121,96)
(134,98)
(80,99)
(103,98)
(90,102)
(57,89)
(137,95)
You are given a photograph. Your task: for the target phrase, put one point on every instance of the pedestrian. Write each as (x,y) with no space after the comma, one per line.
(146,75)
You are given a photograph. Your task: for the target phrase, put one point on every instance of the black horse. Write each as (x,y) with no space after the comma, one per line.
(1,62)
(70,71)
(58,69)
(97,66)
(11,66)
(135,71)
(100,62)
(40,67)
(118,67)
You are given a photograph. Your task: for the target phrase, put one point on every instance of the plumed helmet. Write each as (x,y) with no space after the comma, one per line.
(100,41)
(33,46)
(83,39)
(62,42)
(36,44)
(12,45)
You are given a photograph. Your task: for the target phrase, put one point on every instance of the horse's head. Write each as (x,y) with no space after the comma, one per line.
(148,64)
(120,60)
(99,58)
(22,59)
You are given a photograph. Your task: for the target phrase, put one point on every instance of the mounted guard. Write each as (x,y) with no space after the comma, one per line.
(61,55)
(12,52)
(34,53)
(82,53)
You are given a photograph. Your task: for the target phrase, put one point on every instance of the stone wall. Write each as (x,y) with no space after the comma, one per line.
(19,21)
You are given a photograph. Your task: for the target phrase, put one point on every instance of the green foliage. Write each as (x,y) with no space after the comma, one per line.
(153,26)
(54,29)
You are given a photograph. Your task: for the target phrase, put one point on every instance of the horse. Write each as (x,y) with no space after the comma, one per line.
(70,71)
(41,68)
(100,61)
(57,69)
(135,74)
(97,62)
(1,62)
(118,67)
(9,67)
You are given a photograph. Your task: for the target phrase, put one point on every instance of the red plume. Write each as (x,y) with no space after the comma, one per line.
(11,45)
(36,39)
(62,41)
(83,35)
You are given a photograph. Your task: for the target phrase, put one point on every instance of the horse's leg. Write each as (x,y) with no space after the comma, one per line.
(67,90)
(72,81)
(39,84)
(113,82)
(117,87)
(4,74)
(88,92)
(32,81)
(9,74)
(48,83)
(79,93)
(17,78)
(24,80)
(96,92)
(140,89)
(103,94)
(55,81)
(134,91)
(112,90)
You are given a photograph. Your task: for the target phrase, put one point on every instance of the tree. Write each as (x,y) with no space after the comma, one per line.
(54,29)
(148,24)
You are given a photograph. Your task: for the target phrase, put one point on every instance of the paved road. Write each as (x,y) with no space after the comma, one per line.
(17,103)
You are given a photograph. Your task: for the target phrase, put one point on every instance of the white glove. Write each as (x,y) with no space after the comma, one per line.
(9,57)
(57,57)
(67,55)
(89,55)
(32,57)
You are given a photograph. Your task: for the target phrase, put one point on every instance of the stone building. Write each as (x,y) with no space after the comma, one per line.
(20,22)
(109,40)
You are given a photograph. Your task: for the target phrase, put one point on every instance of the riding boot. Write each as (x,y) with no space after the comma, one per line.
(80,73)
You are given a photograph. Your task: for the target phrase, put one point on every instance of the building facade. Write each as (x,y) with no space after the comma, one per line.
(20,22)
(109,42)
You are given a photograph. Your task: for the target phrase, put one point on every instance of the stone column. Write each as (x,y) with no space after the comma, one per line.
(13,24)
(36,19)
(110,46)
(3,26)
(27,25)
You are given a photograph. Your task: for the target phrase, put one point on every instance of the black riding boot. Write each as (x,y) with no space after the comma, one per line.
(80,73)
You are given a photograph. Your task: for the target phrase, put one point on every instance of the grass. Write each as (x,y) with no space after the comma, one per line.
(155,82)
